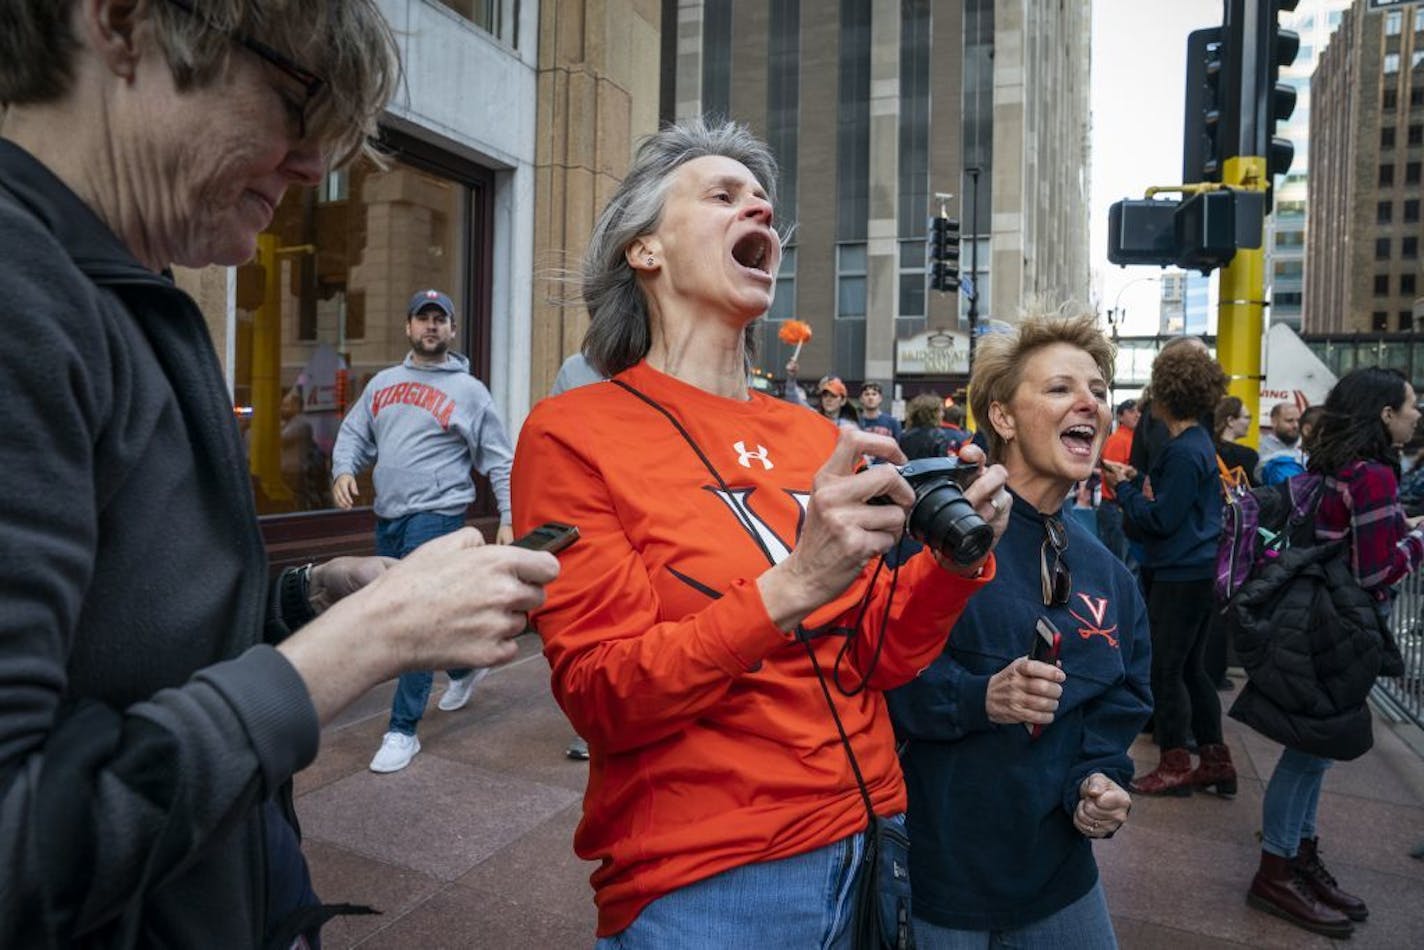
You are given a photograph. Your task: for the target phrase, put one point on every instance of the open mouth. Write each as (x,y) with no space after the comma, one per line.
(1079,439)
(753,251)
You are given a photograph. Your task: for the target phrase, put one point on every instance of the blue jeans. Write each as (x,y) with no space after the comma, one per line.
(1288,811)
(1082,925)
(804,901)
(397,537)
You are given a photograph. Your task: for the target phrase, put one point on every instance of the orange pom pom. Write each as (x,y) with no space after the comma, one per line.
(794,332)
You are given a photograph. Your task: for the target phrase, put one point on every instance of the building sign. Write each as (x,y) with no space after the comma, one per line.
(933,353)
(1380,4)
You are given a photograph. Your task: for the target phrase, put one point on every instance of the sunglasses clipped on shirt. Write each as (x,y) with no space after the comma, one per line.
(1056,581)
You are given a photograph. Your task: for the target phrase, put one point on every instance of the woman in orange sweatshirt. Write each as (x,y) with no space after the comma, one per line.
(722,592)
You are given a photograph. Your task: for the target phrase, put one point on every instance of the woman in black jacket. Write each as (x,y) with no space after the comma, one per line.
(1368,415)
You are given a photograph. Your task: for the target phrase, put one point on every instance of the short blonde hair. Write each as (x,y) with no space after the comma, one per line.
(999,360)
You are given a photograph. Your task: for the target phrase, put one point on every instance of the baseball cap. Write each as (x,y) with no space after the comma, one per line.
(430,298)
(831,384)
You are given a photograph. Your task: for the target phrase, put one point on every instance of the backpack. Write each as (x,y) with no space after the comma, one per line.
(1280,468)
(1257,524)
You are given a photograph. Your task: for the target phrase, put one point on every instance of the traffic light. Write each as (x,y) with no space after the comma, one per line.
(1204,138)
(1282,47)
(943,261)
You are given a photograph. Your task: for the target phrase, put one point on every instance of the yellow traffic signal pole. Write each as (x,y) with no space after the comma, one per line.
(1242,302)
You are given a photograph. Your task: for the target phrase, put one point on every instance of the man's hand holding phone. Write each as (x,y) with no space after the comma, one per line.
(1028,689)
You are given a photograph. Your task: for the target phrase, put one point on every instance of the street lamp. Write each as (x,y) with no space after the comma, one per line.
(1115,313)
(973,172)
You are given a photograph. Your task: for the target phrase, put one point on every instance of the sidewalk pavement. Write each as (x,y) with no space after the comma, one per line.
(471,845)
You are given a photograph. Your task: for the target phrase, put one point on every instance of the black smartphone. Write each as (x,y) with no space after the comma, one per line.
(551,536)
(1047,642)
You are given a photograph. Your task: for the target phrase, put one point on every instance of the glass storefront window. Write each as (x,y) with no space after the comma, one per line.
(321,308)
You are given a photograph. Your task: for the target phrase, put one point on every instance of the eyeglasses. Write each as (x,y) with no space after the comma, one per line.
(311,83)
(1057,582)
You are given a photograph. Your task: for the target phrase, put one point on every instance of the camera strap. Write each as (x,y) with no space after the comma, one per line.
(803,635)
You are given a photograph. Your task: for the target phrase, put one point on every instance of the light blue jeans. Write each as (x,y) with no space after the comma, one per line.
(804,902)
(1288,810)
(397,537)
(1082,925)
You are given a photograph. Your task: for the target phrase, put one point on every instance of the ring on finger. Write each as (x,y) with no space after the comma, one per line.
(997,502)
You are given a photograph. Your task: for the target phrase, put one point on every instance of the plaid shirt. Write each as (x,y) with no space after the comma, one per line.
(1362,501)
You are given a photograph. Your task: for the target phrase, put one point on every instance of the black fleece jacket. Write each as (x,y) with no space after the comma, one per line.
(143,718)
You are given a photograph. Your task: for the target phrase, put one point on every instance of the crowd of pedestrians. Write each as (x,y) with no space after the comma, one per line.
(792,738)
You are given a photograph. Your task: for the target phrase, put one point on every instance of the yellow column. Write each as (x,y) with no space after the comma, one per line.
(1242,303)
(264,448)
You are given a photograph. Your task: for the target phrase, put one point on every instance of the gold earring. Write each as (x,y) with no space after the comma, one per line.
(650,262)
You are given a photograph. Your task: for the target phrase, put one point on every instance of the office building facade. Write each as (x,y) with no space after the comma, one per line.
(1314,21)
(875,109)
(1366,151)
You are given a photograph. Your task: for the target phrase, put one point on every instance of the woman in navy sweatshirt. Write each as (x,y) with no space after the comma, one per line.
(1181,522)
(999,820)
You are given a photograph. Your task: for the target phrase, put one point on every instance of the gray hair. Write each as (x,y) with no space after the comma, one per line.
(619,334)
(346,42)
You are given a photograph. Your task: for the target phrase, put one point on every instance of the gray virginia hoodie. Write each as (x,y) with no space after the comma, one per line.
(425,427)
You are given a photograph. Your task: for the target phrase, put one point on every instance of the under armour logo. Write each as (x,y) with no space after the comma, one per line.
(744,458)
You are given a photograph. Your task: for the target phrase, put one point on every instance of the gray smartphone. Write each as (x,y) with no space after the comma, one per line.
(552,536)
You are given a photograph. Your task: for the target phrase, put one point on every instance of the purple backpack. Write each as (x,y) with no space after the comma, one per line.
(1258,524)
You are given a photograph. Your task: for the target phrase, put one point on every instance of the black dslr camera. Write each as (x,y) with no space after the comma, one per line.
(941,517)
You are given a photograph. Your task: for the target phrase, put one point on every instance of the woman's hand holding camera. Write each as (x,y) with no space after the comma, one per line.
(842,530)
(1025,691)
(1103,807)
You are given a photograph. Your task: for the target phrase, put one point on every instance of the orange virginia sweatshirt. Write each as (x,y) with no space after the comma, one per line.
(711,744)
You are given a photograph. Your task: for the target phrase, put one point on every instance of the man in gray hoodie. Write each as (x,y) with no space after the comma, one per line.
(425,423)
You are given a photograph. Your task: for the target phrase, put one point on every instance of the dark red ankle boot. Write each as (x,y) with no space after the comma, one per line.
(1172,776)
(1216,773)
(1281,889)
(1323,883)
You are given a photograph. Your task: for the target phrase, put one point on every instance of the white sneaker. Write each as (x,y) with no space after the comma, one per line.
(457,694)
(395,753)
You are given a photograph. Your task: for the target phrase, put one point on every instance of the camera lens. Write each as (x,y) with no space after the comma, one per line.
(943,519)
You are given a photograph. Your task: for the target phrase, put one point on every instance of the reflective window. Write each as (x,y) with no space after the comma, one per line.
(850,280)
(913,280)
(853,125)
(1393,23)
(783,99)
(717,58)
(322,308)
(1418,19)
(1391,63)
(914,171)
(489,15)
